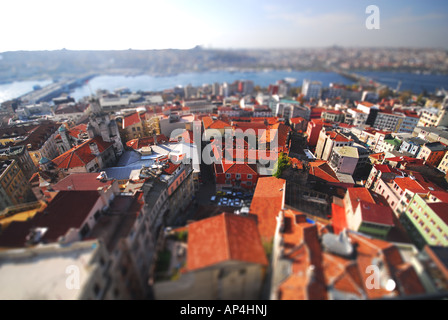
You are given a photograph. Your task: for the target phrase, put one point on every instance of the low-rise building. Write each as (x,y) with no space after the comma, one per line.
(433,117)
(412,145)
(364,214)
(328,140)
(37,137)
(222,259)
(299,124)
(92,155)
(426,219)
(333,116)
(443,165)
(67,218)
(67,138)
(388,145)
(309,262)
(289,109)
(133,126)
(267,201)
(432,134)
(348,159)
(356,117)
(230,174)
(432,153)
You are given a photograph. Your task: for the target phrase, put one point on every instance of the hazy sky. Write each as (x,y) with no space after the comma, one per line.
(149,24)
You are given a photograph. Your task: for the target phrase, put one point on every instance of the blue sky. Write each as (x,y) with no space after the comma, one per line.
(150,24)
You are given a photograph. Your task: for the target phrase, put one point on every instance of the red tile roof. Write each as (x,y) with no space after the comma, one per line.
(82,181)
(210,123)
(267,201)
(280,131)
(407,183)
(366,104)
(441,209)
(322,170)
(342,274)
(77,130)
(80,155)
(243,168)
(378,156)
(257,127)
(359,194)
(297,120)
(371,249)
(336,136)
(132,119)
(145,141)
(313,271)
(375,213)
(384,168)
(441,195)
(67,210)
(223,238)
(171,167)
(301,246)
(338,218)
(38,135)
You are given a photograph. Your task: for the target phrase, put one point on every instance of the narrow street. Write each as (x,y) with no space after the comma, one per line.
(207,188)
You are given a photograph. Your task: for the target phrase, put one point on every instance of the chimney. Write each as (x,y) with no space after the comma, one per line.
(94,148)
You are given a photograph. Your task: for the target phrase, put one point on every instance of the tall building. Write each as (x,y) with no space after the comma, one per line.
(15,188)
(22,156)
(311,89)
(101,125)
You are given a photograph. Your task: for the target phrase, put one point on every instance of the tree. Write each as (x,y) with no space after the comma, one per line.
(405,96)
(283,162)
(385,93)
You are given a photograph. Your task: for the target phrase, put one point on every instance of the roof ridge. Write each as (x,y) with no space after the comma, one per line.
(226,237)
(70,155)
(82,160)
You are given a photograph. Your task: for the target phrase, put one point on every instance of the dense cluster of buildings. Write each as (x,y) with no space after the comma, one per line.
(226,191)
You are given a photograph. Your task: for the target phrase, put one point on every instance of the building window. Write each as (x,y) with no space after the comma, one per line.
(249,176)
(85,229)
(96,289)
(228,175)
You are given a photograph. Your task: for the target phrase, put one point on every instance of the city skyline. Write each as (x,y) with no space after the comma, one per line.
(177,24)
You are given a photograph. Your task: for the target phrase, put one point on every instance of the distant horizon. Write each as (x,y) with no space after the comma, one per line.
(240,49)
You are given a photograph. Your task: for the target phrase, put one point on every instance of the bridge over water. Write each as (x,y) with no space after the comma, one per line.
(54,90)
